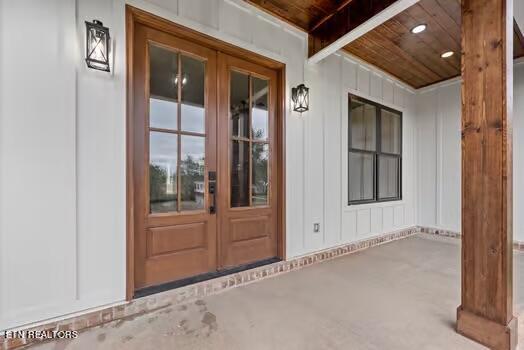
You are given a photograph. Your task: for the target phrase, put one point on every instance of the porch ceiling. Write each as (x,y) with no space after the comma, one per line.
(413,58)
(303,14)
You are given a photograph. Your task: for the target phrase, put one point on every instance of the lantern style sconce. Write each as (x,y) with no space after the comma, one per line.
(97,46)
(300,97)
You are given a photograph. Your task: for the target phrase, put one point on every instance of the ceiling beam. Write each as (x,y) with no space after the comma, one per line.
(350,22)
(322,20)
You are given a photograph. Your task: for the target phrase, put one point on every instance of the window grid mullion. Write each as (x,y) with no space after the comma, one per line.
(250,134)
(179,137)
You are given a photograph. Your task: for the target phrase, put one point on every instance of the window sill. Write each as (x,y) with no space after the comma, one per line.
(383,204)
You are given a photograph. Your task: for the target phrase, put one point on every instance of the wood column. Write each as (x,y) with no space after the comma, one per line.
(486,312)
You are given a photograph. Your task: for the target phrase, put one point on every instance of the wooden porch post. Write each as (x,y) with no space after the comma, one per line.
(486,312)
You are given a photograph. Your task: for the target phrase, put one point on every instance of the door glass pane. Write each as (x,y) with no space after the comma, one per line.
(390,132)
(360,176)
(193,92)
(363,119)
(388,182)
(192,160)
(259,189)
(260,114)
(162,172)
(163,66)
(240,174)
(239,104)
(162,114)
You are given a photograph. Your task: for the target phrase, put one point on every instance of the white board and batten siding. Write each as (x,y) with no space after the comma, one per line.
(439,155)
(439,150)
(326,153)
(62,148)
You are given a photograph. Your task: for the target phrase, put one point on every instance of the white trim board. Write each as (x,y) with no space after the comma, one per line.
(456,80)
(381,17)
(376,70)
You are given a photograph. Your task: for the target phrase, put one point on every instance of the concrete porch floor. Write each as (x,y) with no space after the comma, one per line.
(401,295)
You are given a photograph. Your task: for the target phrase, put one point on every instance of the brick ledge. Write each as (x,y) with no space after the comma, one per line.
(517,245)
(155,302)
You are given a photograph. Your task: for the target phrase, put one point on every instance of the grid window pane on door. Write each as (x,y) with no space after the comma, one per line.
(177,131)
(239,105)
(192,170)
(240,173)
(250,152)
(375,152)
(163,170)
(260,139)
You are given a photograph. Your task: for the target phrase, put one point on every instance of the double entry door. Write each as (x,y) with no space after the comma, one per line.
(204,163)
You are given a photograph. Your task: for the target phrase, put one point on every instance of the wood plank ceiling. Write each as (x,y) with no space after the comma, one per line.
(303,14)
(412,58)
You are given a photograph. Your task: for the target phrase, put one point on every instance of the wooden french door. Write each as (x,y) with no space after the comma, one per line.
(247,129)
(204,172)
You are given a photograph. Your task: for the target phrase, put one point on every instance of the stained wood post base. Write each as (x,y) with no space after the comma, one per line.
(486,332)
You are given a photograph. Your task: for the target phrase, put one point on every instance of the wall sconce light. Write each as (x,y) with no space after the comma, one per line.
(300,97)
(97,46)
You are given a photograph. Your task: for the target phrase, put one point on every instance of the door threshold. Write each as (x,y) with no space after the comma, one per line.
(140,293)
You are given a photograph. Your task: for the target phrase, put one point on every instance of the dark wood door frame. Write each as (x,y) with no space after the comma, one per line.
(136,16)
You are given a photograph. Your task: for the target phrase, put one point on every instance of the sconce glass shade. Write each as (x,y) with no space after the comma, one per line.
(300,97)
(97,46)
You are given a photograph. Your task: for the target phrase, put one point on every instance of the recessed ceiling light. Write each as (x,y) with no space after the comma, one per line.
(447,54)
(418,29)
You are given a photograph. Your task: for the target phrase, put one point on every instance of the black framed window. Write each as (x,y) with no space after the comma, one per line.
(375,152)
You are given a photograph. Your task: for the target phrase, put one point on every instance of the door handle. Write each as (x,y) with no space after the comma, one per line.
(212,180)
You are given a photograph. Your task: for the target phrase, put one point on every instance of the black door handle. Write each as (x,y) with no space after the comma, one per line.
(212,180)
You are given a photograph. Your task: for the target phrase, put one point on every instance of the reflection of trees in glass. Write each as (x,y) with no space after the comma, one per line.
(158,182)
(260,171)
(257,133)
(191,171)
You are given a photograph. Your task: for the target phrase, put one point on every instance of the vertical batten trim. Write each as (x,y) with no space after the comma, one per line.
(77,26)
(438,165)
(3,263)
(67,30)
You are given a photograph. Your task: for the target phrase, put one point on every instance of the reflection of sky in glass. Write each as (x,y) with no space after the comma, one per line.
(193,146)
(259,121)
(163,151)
(163,148)
(193,118)
(162,114)
(259,112)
